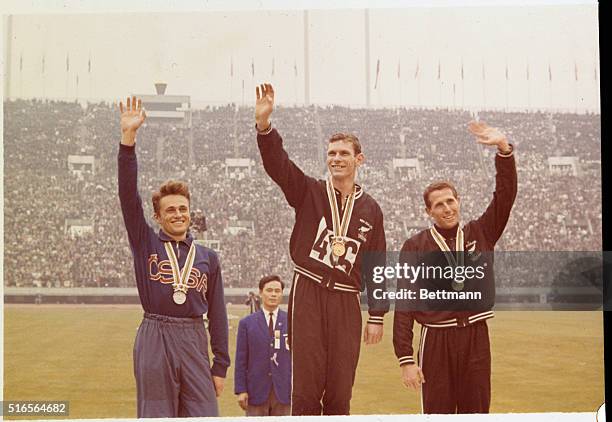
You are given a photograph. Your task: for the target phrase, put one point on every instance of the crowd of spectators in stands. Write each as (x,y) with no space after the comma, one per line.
(553,212)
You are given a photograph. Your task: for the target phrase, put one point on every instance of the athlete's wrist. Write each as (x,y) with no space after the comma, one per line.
(263,128)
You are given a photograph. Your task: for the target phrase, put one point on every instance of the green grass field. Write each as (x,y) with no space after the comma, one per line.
(542,362)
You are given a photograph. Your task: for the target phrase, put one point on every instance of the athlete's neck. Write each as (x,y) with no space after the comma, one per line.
(447,233)
(176,238)
(345,186)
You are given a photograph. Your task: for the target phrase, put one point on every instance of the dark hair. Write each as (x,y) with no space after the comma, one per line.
(265,280)
(348,138)
(171,187)
(438,186)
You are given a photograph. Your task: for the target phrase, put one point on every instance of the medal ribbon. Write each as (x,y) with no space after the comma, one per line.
(180,277)
(340,227)
(450,258)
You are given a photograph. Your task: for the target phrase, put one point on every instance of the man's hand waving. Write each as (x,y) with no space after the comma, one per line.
(264,106)
(488,135)
(132,117)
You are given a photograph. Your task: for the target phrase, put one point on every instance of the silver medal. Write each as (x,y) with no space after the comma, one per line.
(179,297)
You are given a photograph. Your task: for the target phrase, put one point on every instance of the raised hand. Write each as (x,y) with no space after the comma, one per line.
(264,105)
(488,135)
(132,117)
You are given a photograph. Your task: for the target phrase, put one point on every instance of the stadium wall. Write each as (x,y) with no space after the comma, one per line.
(519,298)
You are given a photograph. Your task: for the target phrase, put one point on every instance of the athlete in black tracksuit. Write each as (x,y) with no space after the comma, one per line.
(324,309)
(454,352)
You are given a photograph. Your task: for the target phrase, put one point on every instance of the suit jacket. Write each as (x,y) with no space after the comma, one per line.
(261,362)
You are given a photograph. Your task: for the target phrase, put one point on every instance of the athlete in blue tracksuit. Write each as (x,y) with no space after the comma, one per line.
(171,364)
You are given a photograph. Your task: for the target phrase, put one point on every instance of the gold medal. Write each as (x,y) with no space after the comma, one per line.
(339,224)
(338,248)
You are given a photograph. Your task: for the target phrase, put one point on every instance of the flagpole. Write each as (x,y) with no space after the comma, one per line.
(462,89)
(506,85)
(231,96)
(575,88)
(66,95)
(43,76)
(550,86)
(418,79)
(399,82)
(295,88)
(528,89)
(597,89)
(506,95)
(21,75)
(439,86)
(484,89)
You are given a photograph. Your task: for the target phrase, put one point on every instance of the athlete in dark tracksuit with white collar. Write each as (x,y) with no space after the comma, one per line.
(171,364)
(324,308)
(453,366)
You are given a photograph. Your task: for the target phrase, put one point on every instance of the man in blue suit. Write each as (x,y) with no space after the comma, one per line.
(262,378)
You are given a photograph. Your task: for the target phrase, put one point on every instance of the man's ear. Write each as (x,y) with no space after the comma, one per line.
(156,218)
(428,211)
(360,158)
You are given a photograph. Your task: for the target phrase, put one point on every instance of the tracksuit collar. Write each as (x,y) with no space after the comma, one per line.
(165,238)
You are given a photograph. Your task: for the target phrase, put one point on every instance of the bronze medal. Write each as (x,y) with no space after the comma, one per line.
(458,286)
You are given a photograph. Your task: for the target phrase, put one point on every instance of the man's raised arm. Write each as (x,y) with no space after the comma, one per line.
(276,162)
(494,219)
(132,117)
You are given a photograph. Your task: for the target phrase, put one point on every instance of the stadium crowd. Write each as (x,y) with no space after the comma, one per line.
(245,212)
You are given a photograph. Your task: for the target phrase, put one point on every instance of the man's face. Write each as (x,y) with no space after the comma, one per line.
(174,215)
(271,294)
(342,161)
(444,208)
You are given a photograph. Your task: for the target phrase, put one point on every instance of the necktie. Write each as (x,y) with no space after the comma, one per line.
(271,325)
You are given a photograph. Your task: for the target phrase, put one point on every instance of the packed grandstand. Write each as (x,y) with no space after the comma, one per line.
(46,198)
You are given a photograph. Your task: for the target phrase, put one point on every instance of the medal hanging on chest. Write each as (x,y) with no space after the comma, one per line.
(453,261)
(339,225)
(179,284)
